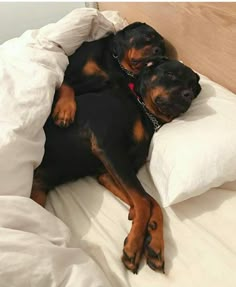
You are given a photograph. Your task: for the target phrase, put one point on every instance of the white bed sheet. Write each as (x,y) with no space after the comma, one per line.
(200,245)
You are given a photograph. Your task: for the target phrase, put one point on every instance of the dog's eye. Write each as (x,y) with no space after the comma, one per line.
(135,61)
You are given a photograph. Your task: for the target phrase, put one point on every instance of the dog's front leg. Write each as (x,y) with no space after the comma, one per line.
(154,243)
(65,107)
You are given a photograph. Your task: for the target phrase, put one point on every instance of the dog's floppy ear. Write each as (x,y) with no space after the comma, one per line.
(120,42)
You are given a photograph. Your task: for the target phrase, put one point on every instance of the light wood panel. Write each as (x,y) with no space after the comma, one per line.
(203,34)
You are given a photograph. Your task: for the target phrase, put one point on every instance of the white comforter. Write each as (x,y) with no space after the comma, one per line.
(33,243)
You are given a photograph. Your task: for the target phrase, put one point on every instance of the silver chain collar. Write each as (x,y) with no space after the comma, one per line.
(130,74)
(152,118)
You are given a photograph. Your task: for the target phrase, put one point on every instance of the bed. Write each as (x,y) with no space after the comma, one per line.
(77,241)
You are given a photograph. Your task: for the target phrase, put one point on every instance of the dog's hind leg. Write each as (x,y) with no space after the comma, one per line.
(154,239)
(107,181)
(121,171)
(39,188)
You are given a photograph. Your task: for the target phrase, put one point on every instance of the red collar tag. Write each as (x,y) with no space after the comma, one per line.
(131,86)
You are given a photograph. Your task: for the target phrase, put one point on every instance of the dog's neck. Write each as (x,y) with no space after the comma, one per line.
(128,73)
(155,122)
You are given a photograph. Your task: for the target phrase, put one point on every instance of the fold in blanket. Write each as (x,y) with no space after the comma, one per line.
(33,243)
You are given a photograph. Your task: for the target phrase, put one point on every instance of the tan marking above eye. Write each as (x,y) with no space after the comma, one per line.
(141,53)
(92,68)
(138,131)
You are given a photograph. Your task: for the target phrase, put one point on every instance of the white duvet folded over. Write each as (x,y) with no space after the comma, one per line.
(32,67)
(32,242)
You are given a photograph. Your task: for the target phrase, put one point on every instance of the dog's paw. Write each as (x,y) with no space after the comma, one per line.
(64,112)
(154,247)
(132,253)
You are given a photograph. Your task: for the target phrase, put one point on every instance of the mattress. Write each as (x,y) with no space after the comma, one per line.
(199,233)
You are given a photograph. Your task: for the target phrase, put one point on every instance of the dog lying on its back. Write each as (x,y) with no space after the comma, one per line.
(110,138)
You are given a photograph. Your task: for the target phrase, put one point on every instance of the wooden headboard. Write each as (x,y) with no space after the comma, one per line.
(202,35)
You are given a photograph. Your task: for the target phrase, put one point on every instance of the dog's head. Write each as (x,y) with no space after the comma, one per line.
(167,87)
(135,44)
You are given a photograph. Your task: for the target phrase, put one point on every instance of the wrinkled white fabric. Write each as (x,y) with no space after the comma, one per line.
(31,68)
(199,233)
(34,252)
(33,243)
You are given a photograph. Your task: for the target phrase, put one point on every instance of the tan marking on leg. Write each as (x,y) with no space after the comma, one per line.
(107,181)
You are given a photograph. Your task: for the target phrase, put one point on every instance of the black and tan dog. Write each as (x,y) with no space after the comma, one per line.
(110,139)
(94,65)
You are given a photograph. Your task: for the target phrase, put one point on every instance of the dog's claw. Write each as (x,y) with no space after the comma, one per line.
(130,264)
(153,254)
(151,265)
(130,259)
(62,125)
(135,271)
(126,256)
(131,214)
(158,256)
(147,240)
(153,225)
(163,268)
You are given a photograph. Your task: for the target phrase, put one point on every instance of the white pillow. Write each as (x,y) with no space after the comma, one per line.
(197,151)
